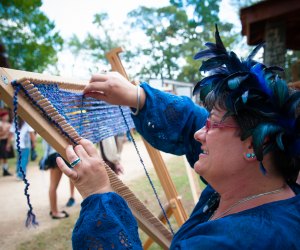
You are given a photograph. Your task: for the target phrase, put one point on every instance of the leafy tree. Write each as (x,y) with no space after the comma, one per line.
(28,35)
(94,47)
(172,36)
(176,32)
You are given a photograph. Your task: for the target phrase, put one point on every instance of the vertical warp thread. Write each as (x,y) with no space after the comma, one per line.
(81,116)
(147,174)
(31,218)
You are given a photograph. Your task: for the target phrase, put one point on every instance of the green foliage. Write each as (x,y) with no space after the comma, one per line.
(176,33)
(173,35)
(28,35)
(291,58)
(95,46)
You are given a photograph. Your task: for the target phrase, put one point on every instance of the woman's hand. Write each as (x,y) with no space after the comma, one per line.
(89,175)
(113,88)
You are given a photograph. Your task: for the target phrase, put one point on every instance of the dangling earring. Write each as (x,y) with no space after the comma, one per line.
(250,155)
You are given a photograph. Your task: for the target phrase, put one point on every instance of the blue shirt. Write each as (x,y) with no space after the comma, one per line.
(106,222)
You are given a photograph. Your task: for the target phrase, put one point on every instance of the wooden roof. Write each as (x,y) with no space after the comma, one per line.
(254,18)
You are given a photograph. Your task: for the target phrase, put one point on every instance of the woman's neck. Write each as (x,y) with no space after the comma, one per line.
(236,197)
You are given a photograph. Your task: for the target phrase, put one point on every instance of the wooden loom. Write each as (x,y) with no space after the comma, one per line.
(174,206)
(146,220)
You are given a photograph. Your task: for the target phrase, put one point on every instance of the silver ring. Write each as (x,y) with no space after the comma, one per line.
(74,163)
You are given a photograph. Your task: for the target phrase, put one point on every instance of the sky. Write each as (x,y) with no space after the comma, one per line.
(76,16)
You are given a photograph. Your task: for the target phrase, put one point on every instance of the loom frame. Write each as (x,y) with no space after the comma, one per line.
(35,119)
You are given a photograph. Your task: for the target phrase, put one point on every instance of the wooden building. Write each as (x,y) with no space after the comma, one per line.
(277,22)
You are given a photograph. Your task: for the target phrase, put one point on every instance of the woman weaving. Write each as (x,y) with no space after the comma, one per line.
(246,148)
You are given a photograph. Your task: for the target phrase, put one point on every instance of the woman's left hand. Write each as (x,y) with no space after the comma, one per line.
(89,175)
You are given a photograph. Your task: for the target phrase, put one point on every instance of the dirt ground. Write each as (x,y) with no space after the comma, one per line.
(13,206)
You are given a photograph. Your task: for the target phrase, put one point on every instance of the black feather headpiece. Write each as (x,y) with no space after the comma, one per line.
(254,88)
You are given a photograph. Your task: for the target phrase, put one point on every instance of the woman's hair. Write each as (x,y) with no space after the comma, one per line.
(258,99)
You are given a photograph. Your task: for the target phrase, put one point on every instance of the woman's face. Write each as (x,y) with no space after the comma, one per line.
(222,148)
(5,118)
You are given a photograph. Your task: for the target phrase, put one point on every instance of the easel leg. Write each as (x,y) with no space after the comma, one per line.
(162,218)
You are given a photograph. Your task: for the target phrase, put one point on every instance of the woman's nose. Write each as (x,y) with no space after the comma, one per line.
(200,134)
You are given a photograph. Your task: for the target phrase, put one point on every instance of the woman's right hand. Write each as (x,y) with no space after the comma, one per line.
(115,89)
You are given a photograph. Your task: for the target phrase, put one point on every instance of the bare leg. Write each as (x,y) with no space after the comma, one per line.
(71,200)
(55,176)
(72,188)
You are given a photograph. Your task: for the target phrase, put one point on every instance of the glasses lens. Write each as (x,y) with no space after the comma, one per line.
(207,125)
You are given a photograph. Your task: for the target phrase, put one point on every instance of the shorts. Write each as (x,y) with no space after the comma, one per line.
(6,154)
(50,162)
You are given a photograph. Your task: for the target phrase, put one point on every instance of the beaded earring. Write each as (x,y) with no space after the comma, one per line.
(250,155)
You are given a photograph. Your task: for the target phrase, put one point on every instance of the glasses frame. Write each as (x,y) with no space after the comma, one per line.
(210,124)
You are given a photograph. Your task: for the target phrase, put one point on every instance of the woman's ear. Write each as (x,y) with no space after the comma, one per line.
(248,153)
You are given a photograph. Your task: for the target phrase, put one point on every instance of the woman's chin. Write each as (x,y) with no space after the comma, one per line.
(198,168)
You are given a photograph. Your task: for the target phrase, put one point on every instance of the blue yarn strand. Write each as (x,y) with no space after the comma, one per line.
(31,218)
(147,174)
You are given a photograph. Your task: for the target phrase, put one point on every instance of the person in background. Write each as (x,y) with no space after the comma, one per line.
(48,162)
(71,201)
(6,149)
(27,140)
(110,150)
(245,145)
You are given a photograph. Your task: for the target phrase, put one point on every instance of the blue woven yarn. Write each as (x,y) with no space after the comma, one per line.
(92,119)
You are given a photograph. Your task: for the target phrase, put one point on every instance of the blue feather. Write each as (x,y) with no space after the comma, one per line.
(254,52)
(214,62)
(279,141)
(219,42)
(245,96)
(257,70)
(207,81)
(260,134)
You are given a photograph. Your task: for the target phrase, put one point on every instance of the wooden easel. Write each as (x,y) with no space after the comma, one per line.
(174,206)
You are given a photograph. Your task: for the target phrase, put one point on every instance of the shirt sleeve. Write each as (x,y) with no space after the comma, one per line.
(168,122)
(29,128)
(110,150)
(12,128)
(105,222)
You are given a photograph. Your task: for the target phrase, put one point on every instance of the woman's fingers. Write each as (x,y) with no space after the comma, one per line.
(97,84)
(72,174)
(88,173)
(89,148)
(99,78)
(95,94)
(72,156)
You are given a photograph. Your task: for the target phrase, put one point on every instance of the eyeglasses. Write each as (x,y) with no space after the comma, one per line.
(209,124)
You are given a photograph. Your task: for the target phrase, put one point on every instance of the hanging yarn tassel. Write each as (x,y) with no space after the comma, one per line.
(31,218)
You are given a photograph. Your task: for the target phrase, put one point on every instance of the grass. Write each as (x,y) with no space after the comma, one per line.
(60,237)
